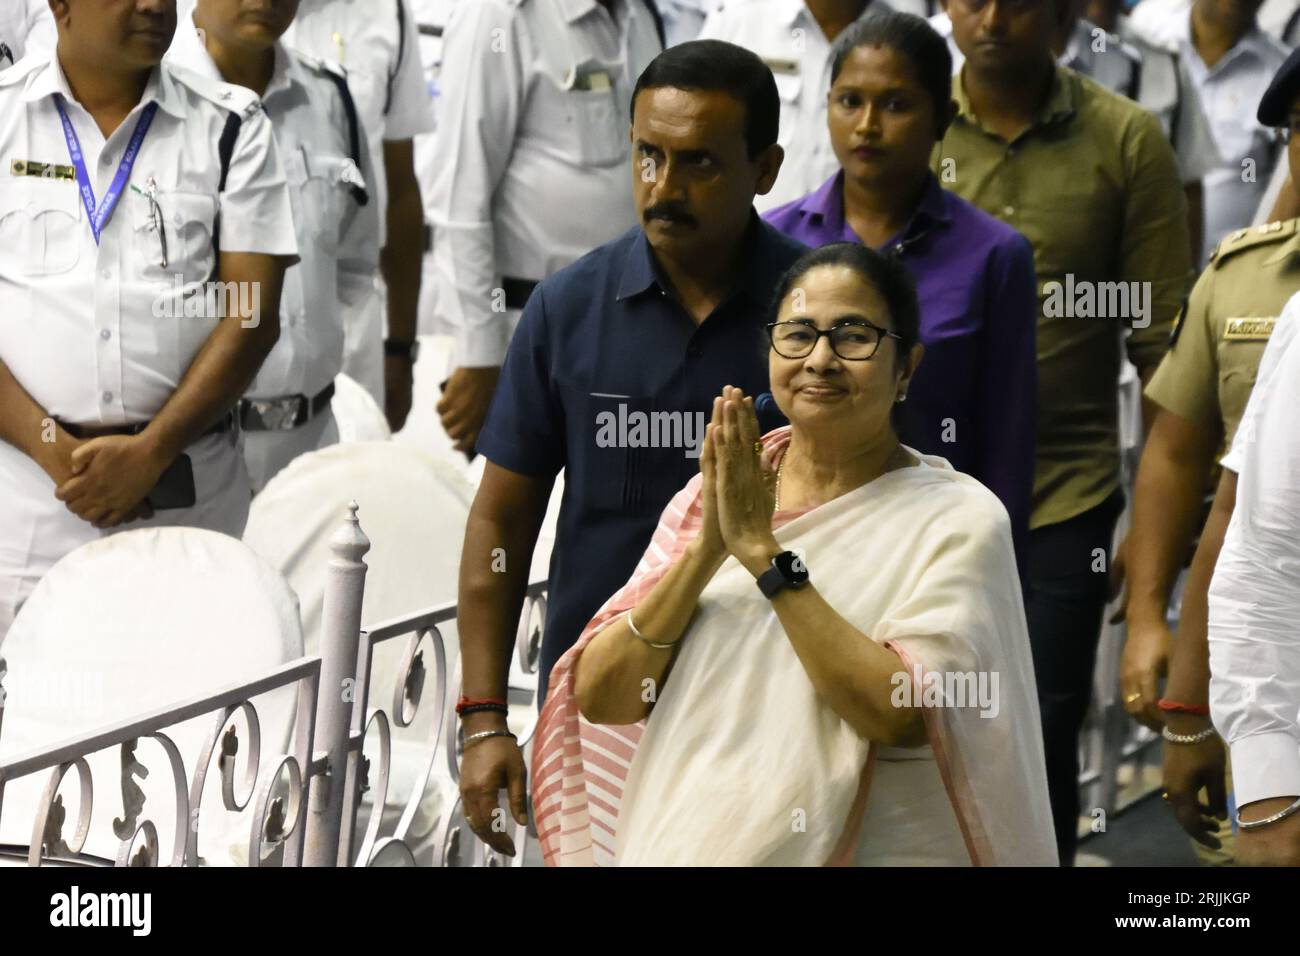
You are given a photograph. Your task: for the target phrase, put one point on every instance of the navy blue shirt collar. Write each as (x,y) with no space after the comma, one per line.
(761,257)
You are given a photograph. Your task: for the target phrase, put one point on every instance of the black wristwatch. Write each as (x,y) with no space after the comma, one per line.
(406,350)
(787,571)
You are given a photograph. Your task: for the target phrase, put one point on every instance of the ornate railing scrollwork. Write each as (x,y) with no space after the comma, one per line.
(47,830)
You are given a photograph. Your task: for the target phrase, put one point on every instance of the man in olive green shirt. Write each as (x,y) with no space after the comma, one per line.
(1201,390)
(1090,180)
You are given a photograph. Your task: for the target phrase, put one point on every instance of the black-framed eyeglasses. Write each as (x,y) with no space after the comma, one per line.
(854,341)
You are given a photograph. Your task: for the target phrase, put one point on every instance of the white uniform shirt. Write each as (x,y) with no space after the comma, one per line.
(1230,93)
(790,41)
(918,8)
(1254,614)
(78,322)
(374,41)
(1161,19)
(25,26)
(431,18)
(683,19)
(335,235)
(532,160)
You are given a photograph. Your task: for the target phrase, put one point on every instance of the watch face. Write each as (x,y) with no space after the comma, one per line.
(791,567)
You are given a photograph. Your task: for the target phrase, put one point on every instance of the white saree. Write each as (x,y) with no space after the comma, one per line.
(741,763)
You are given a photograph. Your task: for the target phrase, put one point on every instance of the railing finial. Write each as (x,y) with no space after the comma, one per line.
(349,543)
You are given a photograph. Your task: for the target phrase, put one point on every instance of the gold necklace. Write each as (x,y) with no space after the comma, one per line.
(781,466)
(777,502)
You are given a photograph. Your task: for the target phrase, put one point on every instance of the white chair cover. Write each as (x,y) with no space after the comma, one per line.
(358,415)
(135,622)
(423,429)
(413,507)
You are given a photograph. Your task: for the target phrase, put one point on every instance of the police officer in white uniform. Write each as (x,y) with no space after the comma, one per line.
(25,25)
(1229,89)
(794,39)
(374,41)
(126,186)
(531,166)
(431,18)
(321,143)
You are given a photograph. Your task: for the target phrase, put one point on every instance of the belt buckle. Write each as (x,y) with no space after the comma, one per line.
(273,414)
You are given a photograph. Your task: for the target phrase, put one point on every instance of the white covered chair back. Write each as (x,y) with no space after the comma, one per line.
(135,622)
(415,506)
(358,415)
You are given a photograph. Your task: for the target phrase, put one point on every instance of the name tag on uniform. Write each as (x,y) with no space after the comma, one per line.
(783,66)
(26,167)
(588,81)
(1249,328)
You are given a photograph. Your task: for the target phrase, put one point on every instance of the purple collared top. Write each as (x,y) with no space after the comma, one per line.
(974,398)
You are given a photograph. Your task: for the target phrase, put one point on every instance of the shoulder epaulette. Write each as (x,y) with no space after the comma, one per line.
(338,77)
(1251,238)
(236,99)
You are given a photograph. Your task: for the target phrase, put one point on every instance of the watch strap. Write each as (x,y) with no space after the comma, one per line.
(406,350)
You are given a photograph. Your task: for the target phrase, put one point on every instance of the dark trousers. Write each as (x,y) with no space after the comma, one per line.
(1064,607)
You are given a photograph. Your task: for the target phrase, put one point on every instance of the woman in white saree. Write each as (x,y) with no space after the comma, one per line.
(880,711)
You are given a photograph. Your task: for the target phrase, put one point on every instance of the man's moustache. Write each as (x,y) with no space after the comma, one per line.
(668,215)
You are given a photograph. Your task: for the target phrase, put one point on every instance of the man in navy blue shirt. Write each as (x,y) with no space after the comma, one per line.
(611,375)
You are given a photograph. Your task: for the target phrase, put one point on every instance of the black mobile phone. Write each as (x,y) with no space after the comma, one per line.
(175,487)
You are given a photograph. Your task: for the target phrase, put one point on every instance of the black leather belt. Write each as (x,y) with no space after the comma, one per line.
(282,414)
(517,291)
(83,432)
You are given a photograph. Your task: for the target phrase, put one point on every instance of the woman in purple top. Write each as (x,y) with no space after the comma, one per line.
(974,399)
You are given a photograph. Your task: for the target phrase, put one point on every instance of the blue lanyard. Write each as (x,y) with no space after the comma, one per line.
(99,216)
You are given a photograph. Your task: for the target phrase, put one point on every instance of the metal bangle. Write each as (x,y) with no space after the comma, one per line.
(484,734)
(1196,738)
(1280,815)
(641,637)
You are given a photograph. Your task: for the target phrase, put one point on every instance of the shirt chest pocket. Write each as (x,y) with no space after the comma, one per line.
(173,235)
(317,195)
(40,223)
(1238,367)
(583,123)
(618,429)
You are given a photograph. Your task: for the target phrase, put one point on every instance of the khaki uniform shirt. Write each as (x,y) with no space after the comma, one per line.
(1210,369)
(1094,187)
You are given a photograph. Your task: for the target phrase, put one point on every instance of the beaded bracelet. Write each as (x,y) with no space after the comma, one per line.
(466,709)
(1196,738)
(478,701)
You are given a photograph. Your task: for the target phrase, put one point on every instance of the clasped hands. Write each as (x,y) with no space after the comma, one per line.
(737,494)
(105,480)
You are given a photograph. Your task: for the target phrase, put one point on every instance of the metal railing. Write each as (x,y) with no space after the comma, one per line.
(302,806)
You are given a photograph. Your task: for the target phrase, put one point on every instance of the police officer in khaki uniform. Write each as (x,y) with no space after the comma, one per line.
(1202,387)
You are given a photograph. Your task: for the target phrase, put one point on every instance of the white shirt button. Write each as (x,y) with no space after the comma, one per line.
(106,273)
(107,397)
(105,334)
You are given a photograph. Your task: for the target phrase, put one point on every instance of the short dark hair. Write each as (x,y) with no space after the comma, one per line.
(715,65)
(882,271)
(913,38)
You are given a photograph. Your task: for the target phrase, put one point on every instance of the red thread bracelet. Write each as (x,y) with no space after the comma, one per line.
(479,701)
(1177,707)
